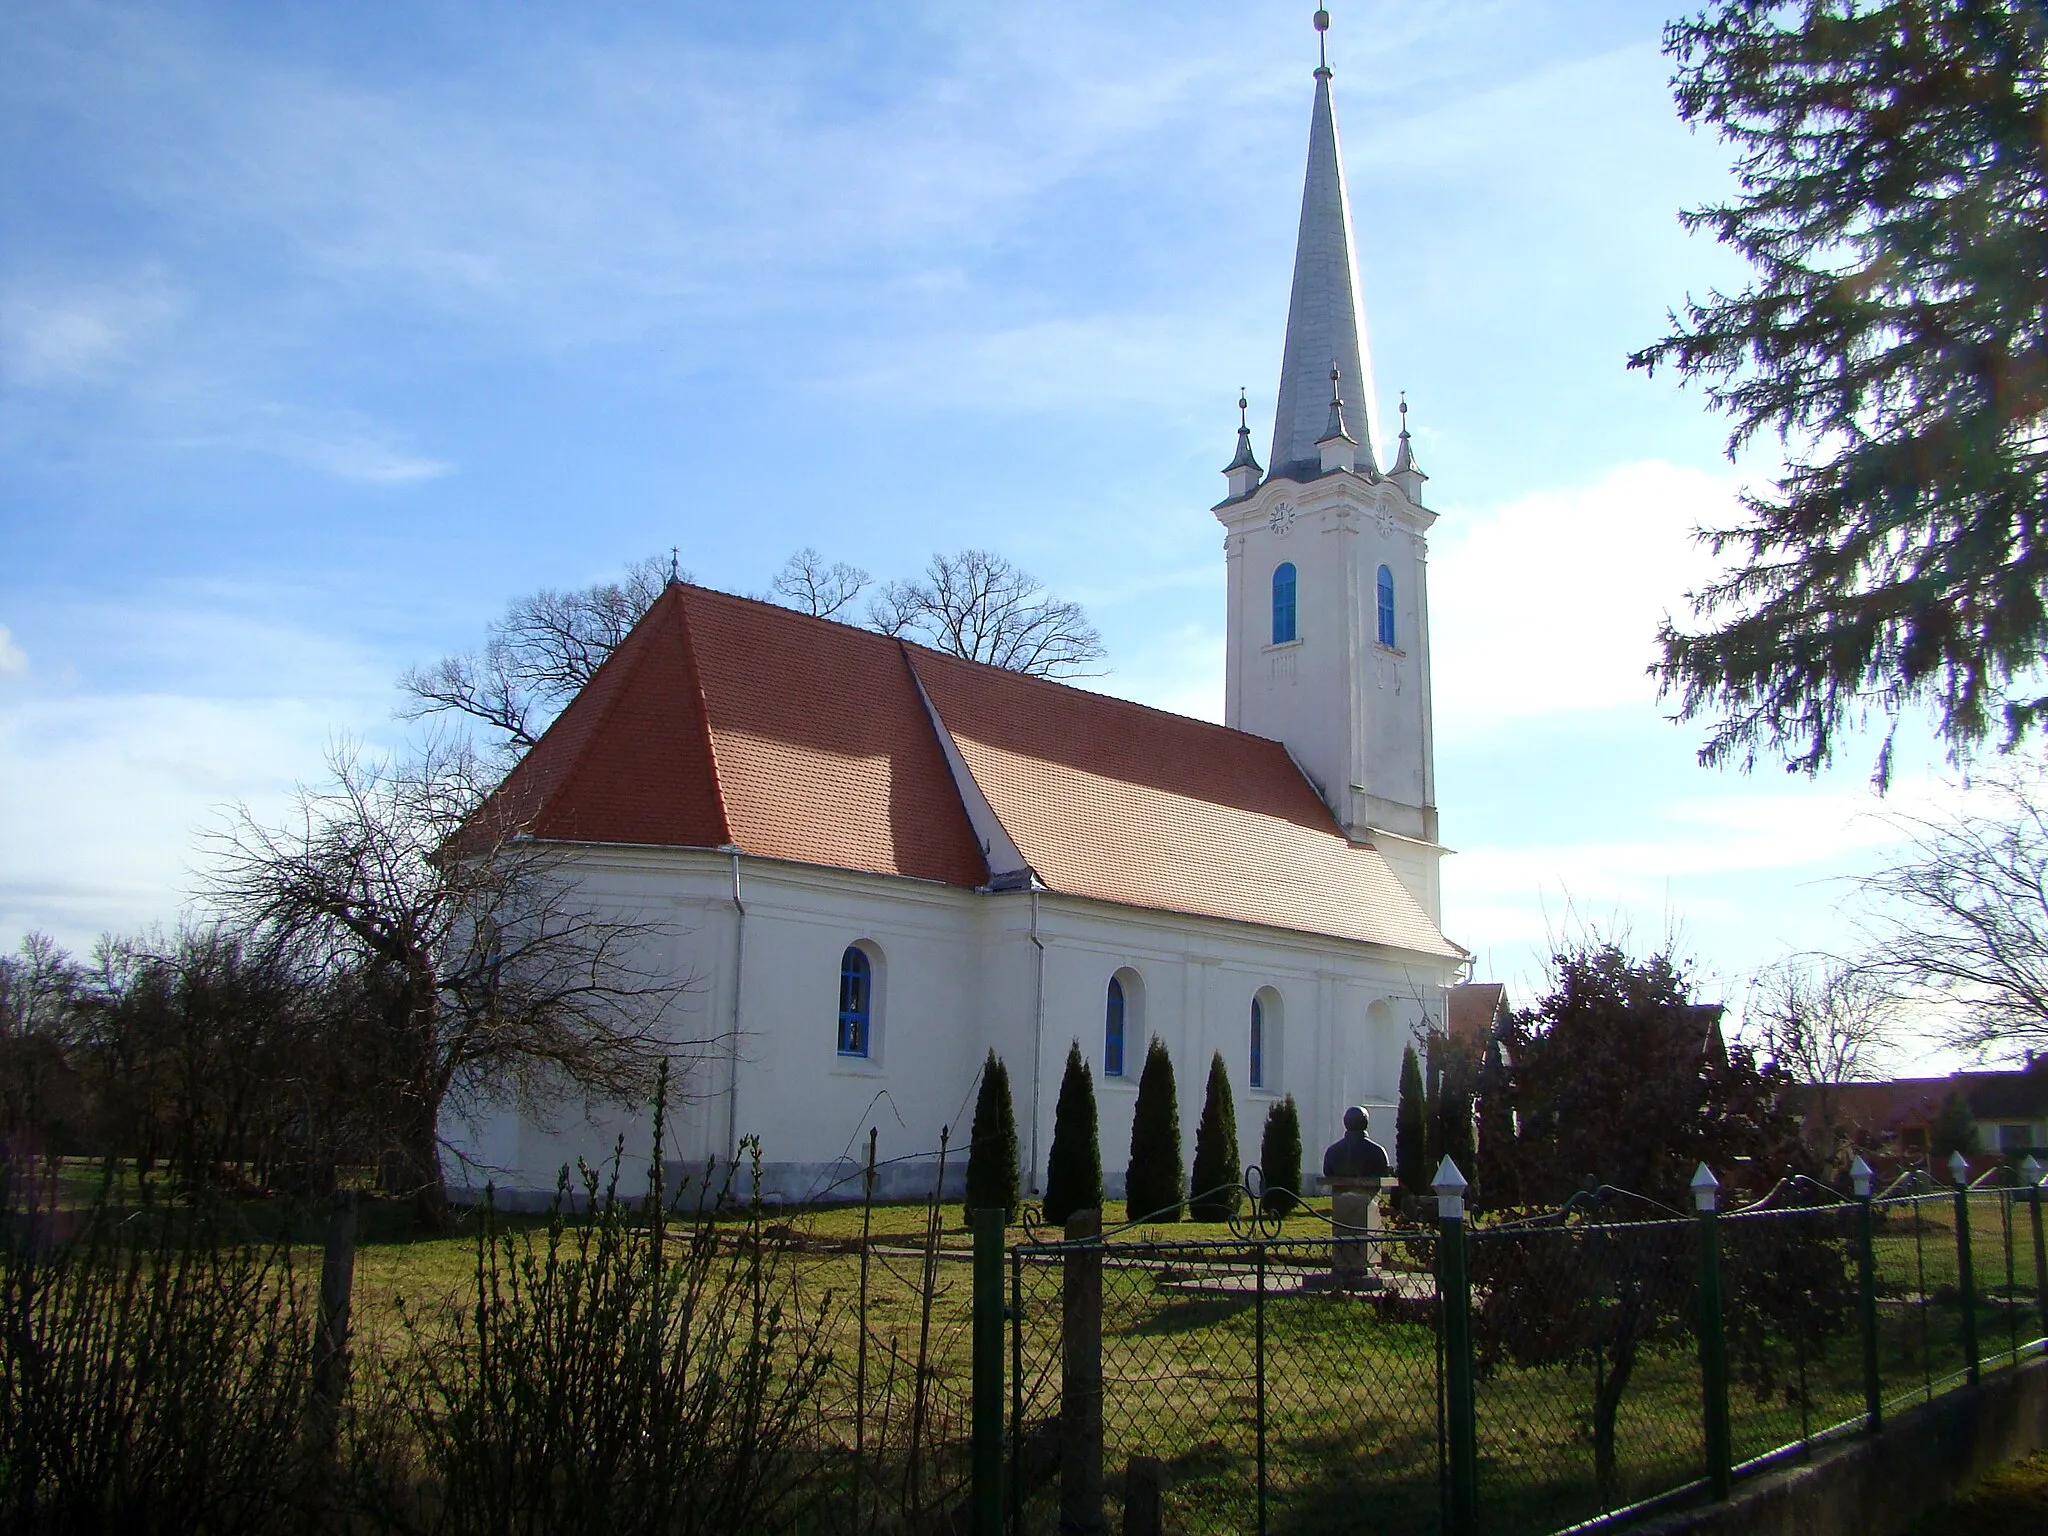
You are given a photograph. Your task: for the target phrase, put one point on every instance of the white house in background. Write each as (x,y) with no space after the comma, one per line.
(879,861)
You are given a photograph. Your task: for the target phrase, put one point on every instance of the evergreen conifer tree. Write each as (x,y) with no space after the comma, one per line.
(1073,1169)
(1494,1185)
(1411,1129)
(1953,1129)
(1888,196)
(1213,1193)
(992,1181)
(1152,1184)
(1280,1158)
(1454,1110)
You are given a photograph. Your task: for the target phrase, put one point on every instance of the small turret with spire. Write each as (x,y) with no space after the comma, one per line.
(1243,472)
(1406,473)
(1339,449)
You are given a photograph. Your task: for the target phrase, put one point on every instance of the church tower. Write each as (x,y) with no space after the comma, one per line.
(1328,631)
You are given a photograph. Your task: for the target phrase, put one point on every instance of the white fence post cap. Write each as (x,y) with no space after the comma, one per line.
(2030,1169)
(1450,1185)
(1959,1168)
(1706,1189)
(1861,1174)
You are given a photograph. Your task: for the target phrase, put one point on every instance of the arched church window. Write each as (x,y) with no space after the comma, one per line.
(856,1001)
(1283,602)
(1386,586)
(1265,1039)
(1258,1074)
(1113,1030)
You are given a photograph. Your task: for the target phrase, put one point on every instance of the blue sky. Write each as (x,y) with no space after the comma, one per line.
(325,330)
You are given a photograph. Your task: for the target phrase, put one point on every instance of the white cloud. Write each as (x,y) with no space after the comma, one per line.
(54,336)
(344,444)
(106,796)
(1549,605)
(13,659)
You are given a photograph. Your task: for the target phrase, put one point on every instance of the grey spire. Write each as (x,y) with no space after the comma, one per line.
(1325,322)
(1335,426)
(1406,473)
(1404,456)
(1244,459)
(1242,473)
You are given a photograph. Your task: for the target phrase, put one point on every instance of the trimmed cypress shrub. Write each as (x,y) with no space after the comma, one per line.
(1073,1169)
(1152,1186)
(1213,1193)
(992,1157)
(1280,1158)
(1411,1129)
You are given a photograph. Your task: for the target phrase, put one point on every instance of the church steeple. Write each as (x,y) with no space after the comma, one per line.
(1325,321)
(1326,644)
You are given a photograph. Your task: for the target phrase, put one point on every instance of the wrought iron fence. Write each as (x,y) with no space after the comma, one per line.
(1558,1371)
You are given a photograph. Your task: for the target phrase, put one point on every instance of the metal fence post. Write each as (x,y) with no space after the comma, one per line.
(1259,1375)
(1706,1198)
(988,1372)
(1966,1280)
(330,1345)
(2031,1169)
(1454,1295)
(1081,1377)
(1866,1294)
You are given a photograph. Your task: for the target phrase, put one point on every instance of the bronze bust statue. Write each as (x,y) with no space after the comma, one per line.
(1357,1156)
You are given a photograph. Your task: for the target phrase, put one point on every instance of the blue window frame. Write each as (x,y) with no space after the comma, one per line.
(1113,1031)
(1283,602)
(856,1000)
(1258,1078)
(1386,585)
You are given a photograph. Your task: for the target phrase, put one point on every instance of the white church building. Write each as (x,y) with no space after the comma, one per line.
(878,861)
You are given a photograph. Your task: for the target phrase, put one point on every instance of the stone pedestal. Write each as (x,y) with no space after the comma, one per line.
(1354,1208)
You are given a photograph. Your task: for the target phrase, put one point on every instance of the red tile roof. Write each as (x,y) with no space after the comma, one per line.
(1109,799)
(721,720)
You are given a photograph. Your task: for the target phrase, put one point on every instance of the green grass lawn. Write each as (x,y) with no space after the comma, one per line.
(2013,1501)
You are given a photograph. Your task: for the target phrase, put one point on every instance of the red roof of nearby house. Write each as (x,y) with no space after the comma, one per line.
(1474,1008)
(721,720)
(1906,1101)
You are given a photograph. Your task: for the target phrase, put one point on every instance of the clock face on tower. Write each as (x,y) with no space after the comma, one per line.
(1281,518)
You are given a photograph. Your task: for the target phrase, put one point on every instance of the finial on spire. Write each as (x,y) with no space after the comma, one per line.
(675,563)
(1243,405)
(1322,41)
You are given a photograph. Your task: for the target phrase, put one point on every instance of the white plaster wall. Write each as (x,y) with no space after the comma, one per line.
(959,974)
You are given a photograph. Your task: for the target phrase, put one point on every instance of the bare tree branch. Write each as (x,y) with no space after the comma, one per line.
(978,606)
(807,584)
(1826,1022)
(1963,914)
(535,658)
(499,981)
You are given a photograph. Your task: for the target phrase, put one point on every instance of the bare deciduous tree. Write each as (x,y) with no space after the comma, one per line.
(549,644)
(978,606)
(807,584)
(39,986)
(1826,1022)
(1963,914)
(535,658)
(495,978)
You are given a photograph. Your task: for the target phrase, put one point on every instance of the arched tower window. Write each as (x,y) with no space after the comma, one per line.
(1283,602)
(1386,593)
(856,1001)
(1113,1030)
